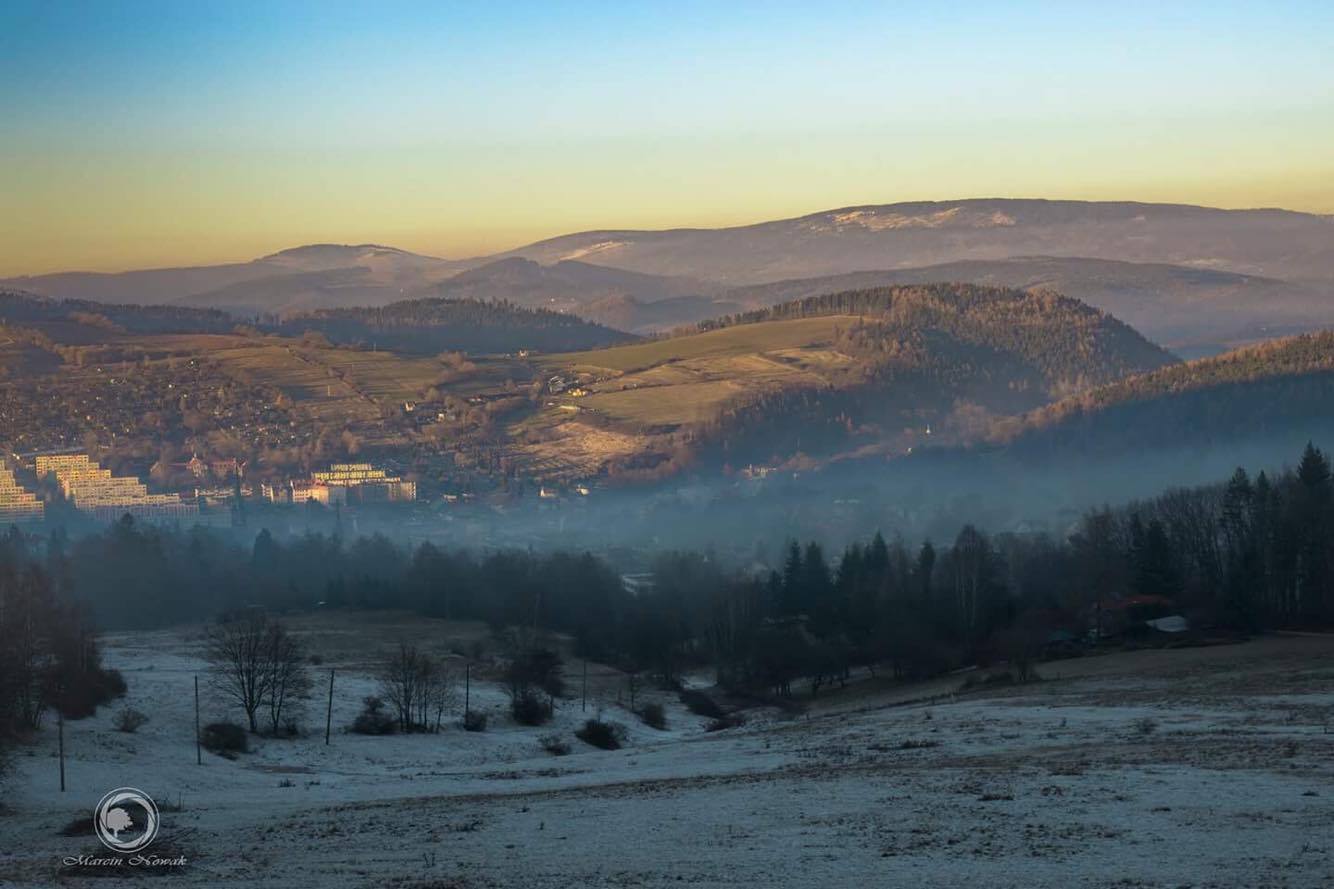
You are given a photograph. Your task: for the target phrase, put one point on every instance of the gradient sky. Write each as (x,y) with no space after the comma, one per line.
(136,135)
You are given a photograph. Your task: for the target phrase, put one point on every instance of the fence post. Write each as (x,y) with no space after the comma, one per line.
(199,752)
(328,716)
(60,730)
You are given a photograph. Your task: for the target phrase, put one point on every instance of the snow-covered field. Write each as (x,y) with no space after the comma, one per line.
(1198,767)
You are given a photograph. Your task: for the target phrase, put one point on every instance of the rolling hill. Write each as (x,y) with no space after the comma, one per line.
(415,327)
(562,286)
(864,369)
(1190,310)
(428,326)
(290,278)
(1281,390)
(1184,424)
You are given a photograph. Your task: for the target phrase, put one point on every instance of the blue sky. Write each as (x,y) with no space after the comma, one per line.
(158,133)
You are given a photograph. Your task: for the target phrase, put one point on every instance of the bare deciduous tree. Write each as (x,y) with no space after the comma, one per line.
(419,687)
(239,651)
(289,682)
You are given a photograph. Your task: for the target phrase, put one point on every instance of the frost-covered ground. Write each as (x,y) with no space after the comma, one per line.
(1198,767)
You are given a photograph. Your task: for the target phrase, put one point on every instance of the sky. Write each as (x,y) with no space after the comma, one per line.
(136,135)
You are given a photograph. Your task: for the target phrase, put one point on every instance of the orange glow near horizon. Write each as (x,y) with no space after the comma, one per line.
(136,138)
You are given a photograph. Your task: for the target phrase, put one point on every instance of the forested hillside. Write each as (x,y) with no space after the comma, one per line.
(1282,388)
(31,310)
(1202,310)
(428,326)
(1073,344)
(884,369)
(425,326)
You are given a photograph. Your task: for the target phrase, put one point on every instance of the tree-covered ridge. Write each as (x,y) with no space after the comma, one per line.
(430,325)
(1298,362)
(425,326)
(19,308)
(948,358)
(1074,346)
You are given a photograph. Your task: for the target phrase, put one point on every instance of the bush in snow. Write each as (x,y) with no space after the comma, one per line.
(554,744)
(88,690)
(654,716)
(700,704)
(224,738)
(605,735)
(530,708)
(474,721)
(726,722)
(129,720)
(374,719)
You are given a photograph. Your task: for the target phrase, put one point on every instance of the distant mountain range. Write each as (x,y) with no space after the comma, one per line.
(303,277)
(1193,278)
(1274,243)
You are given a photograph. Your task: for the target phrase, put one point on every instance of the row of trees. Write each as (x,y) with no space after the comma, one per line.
(1243,555)
(261,668)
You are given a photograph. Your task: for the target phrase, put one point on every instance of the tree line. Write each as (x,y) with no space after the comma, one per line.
(1240,556)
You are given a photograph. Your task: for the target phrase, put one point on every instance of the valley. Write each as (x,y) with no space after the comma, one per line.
(645,445)
(885,364)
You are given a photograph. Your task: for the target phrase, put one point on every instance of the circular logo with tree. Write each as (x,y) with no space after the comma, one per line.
(126,820)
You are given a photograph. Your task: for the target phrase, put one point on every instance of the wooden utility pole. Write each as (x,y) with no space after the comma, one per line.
(467,688)
(328,716)
(60,734)
(583,705)
(199,751)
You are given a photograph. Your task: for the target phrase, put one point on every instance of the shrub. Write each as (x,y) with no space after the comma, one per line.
(1146,725)
(918,744)
(605,735)
(990,680)
(373,719)
(80,827)
(554,744)
(529,708)
(130,720)
(700,704)
(654,716)
(89,690)
(224,738)
(474,721)
(726,722)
